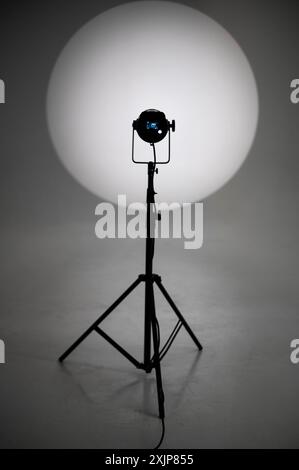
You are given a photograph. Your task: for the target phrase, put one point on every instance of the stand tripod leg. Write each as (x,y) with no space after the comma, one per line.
(177,312)
(156,361)
(99,320)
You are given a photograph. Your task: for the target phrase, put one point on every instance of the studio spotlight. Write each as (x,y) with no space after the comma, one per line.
(152,126)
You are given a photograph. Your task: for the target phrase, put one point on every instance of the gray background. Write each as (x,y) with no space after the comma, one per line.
(239,292)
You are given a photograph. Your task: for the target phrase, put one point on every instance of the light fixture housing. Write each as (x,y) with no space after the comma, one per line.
(152,126)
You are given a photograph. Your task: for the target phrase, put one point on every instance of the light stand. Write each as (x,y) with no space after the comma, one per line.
(151,329)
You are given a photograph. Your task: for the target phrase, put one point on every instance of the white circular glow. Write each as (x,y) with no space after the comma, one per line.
(152,54)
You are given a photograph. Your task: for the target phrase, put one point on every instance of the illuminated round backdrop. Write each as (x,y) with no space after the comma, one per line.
(152,54)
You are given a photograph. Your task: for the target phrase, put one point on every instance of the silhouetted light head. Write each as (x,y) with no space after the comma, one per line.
(152,126)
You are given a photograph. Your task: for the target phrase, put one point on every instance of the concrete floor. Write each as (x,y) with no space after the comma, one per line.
(239,297)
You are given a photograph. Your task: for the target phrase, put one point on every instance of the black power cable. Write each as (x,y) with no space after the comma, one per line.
(156,357)
(178,326)
(170,340)
(154,204)
(162,435)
